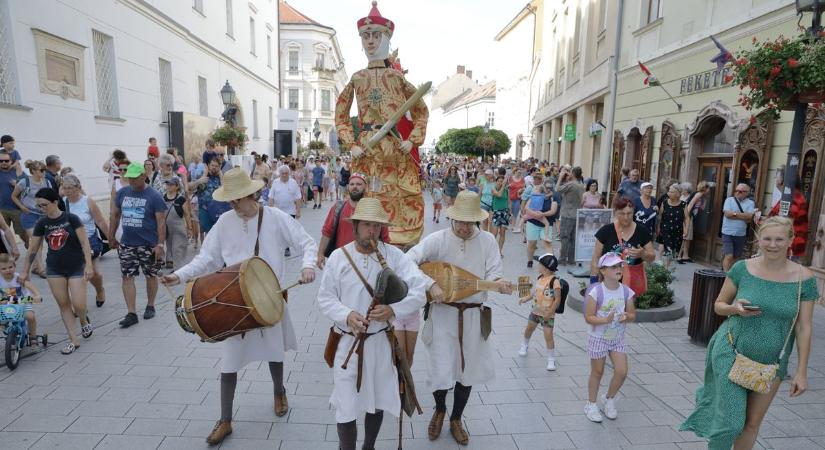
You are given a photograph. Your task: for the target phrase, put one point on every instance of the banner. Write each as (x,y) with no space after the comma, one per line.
(588,222)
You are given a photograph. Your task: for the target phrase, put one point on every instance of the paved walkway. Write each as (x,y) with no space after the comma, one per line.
(153,386)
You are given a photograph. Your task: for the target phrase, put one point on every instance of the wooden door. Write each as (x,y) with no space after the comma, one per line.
(707,234)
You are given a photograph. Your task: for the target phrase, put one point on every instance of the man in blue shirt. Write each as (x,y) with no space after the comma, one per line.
(632,186)
(8,180)
(53,166)
(317,183)
(738,213)
(142,212)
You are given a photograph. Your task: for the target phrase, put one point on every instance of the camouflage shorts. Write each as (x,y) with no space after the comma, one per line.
(133,259)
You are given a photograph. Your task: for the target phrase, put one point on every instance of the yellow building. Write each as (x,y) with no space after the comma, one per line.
(709,137)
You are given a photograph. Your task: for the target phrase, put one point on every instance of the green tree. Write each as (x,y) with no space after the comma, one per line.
(465,141)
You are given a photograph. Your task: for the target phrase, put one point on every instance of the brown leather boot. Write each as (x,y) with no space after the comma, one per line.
(457,430)
(223,428)
(281,404)
(436,423)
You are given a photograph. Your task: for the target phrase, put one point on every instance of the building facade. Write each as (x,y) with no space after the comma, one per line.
(571,82)
(108,77)
(312,74)
(708,136)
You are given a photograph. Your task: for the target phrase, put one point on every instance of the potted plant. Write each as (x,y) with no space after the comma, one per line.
(779,73)
(658,292)
(230,137)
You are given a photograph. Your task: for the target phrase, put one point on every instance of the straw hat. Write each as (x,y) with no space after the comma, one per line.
(370,210)
(236,184)
(467,208)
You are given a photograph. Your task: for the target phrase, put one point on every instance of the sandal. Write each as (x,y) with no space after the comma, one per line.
(100,302)
(33,341)
(87,330)
(69,349)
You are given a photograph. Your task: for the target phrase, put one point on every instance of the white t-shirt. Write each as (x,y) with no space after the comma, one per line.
(284,195)
(613,300)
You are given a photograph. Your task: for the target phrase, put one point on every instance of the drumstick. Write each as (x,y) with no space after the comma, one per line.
(291,286)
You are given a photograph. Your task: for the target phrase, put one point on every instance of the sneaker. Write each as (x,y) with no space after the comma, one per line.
(129,320)
(551,364)
(522,351)
(149,313)
(591,410)
(608,406)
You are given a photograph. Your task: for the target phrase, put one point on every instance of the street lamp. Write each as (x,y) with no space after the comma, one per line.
(797,132)
(230,108)
(316,131)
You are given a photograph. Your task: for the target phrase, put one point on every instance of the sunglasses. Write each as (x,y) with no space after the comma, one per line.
(5,160)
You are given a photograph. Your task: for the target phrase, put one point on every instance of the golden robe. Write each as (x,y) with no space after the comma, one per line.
(380,91)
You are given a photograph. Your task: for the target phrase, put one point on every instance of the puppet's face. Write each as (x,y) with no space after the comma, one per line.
(370,41)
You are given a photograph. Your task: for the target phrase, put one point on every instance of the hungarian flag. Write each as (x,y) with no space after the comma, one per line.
(650,79)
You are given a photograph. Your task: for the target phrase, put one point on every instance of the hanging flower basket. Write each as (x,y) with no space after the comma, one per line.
(775,75)
(229,136)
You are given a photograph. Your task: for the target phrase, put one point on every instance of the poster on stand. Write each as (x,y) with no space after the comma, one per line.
(588,222)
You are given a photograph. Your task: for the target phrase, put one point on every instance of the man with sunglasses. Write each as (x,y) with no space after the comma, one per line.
(738,213)
(9,210)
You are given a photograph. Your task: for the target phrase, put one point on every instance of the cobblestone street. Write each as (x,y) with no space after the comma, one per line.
(154,386)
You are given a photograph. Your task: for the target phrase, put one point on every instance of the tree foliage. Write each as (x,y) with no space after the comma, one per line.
(464,141)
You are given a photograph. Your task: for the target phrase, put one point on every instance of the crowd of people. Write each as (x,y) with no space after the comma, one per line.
(162,208)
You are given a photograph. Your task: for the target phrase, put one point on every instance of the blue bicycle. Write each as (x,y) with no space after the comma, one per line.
(13,318)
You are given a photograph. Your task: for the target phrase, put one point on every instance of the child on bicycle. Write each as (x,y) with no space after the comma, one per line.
(11,287)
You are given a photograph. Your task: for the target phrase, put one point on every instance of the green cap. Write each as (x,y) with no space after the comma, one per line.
(134,170)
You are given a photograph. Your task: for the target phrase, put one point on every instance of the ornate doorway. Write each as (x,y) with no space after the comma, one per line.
(669,161)
(707,234)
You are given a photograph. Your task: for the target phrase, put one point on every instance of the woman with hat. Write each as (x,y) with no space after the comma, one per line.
(234,240)
(344,299)
(459,361)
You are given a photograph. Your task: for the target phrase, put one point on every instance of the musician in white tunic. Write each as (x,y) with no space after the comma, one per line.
(344,299)
(455,362)
(230,241)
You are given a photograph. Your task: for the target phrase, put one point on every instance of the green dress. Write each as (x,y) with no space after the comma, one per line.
(720,404)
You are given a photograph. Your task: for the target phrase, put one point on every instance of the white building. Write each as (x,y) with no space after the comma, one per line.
(459,102)
(516,56)
(81,78)
(312,73)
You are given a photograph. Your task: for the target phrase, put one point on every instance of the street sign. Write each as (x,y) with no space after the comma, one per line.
(570,132)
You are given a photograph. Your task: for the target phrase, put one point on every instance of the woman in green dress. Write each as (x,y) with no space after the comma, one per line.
(760,295)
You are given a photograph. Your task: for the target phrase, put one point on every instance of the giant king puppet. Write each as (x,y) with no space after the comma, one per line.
(379,145)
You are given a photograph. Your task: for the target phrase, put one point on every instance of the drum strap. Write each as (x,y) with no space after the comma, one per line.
(260,222)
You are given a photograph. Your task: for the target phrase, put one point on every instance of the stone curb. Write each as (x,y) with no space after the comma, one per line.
(668,313)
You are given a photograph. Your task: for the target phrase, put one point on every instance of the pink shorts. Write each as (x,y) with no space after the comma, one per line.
(408,323)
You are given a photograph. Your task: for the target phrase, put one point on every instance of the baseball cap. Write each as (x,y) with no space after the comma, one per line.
(549,262)
(646,184)
(134,170)
(173,180)
(610,259)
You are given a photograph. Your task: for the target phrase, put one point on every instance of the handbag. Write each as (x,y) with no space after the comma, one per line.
(755,376)
(333,339)
(634,276)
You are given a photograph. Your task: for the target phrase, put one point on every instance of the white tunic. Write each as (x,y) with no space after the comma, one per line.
(478,255)
(342,292)
(227,244)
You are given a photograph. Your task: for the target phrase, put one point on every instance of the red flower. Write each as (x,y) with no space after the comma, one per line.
(793,63)
(727,79)
(752,119)
(772,94)
(741,61)
(775,70)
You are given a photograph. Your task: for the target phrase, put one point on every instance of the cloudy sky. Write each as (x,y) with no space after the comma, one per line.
(433,36)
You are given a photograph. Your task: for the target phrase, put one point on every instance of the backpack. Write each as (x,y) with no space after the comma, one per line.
(565,289)
(27,182)
(600,294)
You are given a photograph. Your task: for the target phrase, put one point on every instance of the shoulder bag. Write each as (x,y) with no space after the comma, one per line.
(755,376)
(633,276)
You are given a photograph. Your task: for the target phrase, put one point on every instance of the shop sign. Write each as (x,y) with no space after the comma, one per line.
(570,132)
(704,81)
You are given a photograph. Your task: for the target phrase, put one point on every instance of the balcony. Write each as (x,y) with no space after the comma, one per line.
(324,73)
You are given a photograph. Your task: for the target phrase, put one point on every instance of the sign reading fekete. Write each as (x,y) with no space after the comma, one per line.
(588,222)
(570,132)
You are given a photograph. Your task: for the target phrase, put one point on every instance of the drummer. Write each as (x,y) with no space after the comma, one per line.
(453,362)
(343,298)
(231,241)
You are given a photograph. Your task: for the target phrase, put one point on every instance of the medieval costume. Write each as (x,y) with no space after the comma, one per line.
(453,360)
(380,90)
(342,292)
(231,241)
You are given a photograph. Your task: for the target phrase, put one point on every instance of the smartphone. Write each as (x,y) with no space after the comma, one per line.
(751,307)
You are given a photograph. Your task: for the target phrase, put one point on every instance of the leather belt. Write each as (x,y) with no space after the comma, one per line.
(360,352)
(461,307)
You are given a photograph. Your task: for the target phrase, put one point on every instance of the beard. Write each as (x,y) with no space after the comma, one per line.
(356,196)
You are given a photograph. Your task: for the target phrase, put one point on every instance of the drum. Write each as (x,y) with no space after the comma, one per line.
(231,301)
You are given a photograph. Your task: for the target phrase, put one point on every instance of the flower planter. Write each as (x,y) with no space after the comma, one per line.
(808,97)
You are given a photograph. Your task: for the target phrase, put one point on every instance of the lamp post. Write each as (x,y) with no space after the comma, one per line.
(797,132)
(486,134)
(230,110)
(316,131)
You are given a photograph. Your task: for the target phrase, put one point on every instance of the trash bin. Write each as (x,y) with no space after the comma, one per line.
(703,320)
